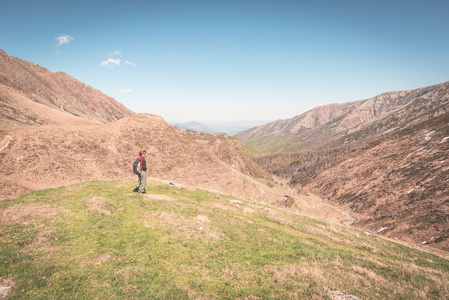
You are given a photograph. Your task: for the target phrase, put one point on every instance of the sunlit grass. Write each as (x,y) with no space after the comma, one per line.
(101,240)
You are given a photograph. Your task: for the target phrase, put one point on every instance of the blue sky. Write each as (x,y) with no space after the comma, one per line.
(233,60)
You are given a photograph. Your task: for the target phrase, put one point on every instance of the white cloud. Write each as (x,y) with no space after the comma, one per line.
(110,63)
(115,53)
(64,39)
(125,92)
(115,60)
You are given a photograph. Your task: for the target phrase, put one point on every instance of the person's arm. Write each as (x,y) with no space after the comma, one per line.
(144,165)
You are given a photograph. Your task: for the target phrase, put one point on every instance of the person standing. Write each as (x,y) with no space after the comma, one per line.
(143,171)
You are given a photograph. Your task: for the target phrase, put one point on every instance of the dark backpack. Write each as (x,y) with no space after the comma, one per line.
(136,166)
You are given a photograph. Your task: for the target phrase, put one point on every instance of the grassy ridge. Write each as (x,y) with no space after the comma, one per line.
(100,240)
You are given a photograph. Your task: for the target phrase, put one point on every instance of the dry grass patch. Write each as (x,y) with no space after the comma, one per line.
(29,214)
(248,211)
(376,262)
(197,227)
(370,274)
(437,277)
(229,273)
(99,204)
(5,287)
(337,295)
(41,239)
(104,258)
(161,197)
(223,206)
(202,219)
(293,272)
(281,217)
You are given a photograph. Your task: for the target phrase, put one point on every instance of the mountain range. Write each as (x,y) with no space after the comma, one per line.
(385,159)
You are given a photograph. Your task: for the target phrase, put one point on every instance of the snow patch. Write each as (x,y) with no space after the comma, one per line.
(422,148)
(445,139)
(6,140)
(429,179)
(428,135)
(382,229)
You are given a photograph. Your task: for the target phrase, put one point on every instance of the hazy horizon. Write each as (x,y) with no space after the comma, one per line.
(205,121)
(219,126)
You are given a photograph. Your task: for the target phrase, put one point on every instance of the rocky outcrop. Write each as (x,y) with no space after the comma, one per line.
(31,94)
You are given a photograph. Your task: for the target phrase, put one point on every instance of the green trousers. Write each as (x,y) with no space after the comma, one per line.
(142,181)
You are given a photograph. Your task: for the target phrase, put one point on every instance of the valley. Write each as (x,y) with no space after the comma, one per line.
(384,158)
(346,200)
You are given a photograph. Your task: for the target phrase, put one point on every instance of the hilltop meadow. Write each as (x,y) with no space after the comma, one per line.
(102,240)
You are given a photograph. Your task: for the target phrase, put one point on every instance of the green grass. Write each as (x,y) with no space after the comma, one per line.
(100,240)
(291,143)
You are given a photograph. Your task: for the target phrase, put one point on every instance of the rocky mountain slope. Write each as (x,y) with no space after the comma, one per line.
(335,120)
(385,158)
(31,94)
(398,185)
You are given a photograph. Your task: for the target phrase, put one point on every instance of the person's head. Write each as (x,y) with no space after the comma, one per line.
(143,152)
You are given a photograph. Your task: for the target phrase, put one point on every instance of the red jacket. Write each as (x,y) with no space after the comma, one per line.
(143,163)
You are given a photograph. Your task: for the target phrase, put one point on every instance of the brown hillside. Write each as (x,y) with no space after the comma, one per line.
(397,185)
(31,94)
(37,157)
(330,122)
(385,158)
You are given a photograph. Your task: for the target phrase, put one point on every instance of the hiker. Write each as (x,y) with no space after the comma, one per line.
(143,171)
